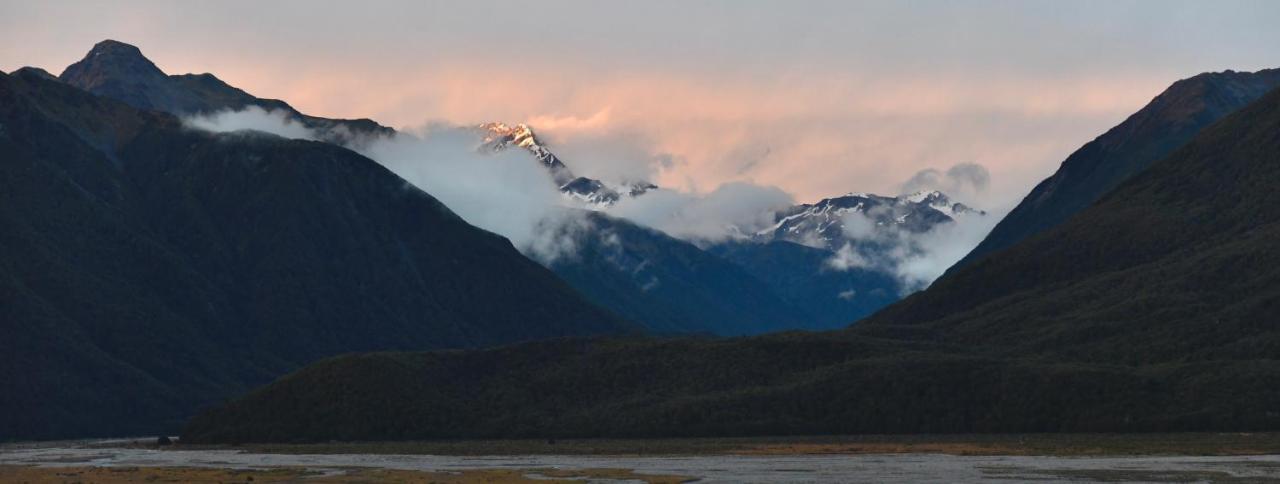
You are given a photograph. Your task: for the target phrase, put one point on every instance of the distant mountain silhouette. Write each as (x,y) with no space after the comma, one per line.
(119,71)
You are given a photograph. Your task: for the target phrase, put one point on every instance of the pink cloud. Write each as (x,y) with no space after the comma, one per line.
(812,132)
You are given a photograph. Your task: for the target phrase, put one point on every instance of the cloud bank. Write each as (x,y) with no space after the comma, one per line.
(833,97)
(731,210)
(252,118)
(509,194)
(916,259)
(964,181)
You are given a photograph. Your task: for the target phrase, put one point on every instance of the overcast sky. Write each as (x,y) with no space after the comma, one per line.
(818,98)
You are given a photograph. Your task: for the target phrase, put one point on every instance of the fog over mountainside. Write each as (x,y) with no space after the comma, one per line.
(912,237)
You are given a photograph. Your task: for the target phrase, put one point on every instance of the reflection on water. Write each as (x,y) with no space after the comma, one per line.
(714,468)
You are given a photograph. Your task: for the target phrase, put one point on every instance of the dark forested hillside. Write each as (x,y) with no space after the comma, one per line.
(147,269)
(1153,310)
(1159,128)
(798,384)
(1182,263)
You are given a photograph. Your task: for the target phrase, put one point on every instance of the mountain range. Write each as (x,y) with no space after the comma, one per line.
(147,258)
(826,224)
(682,286)
(1152,309)
(147,269)
(801,261)
(744,285)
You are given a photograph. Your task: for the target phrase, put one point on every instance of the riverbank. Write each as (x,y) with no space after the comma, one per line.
(136,463)
(1065,445)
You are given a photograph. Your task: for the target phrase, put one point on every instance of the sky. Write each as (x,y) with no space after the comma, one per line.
(815,98)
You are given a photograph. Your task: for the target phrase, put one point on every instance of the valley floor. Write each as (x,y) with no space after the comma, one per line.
(963,458)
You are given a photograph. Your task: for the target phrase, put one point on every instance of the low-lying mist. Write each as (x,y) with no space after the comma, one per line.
(501,192)
(916,259)
(508,193)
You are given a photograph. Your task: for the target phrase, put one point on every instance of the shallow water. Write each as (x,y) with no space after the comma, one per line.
(714,468)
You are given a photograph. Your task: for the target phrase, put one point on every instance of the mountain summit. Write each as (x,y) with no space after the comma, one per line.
(119,71)
(594,193)
(500,136)
(112,61)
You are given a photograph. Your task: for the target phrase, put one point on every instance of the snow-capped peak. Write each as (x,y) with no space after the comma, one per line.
(921,196)
(940,202)
(824,223)
(502,134)
(589,191)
